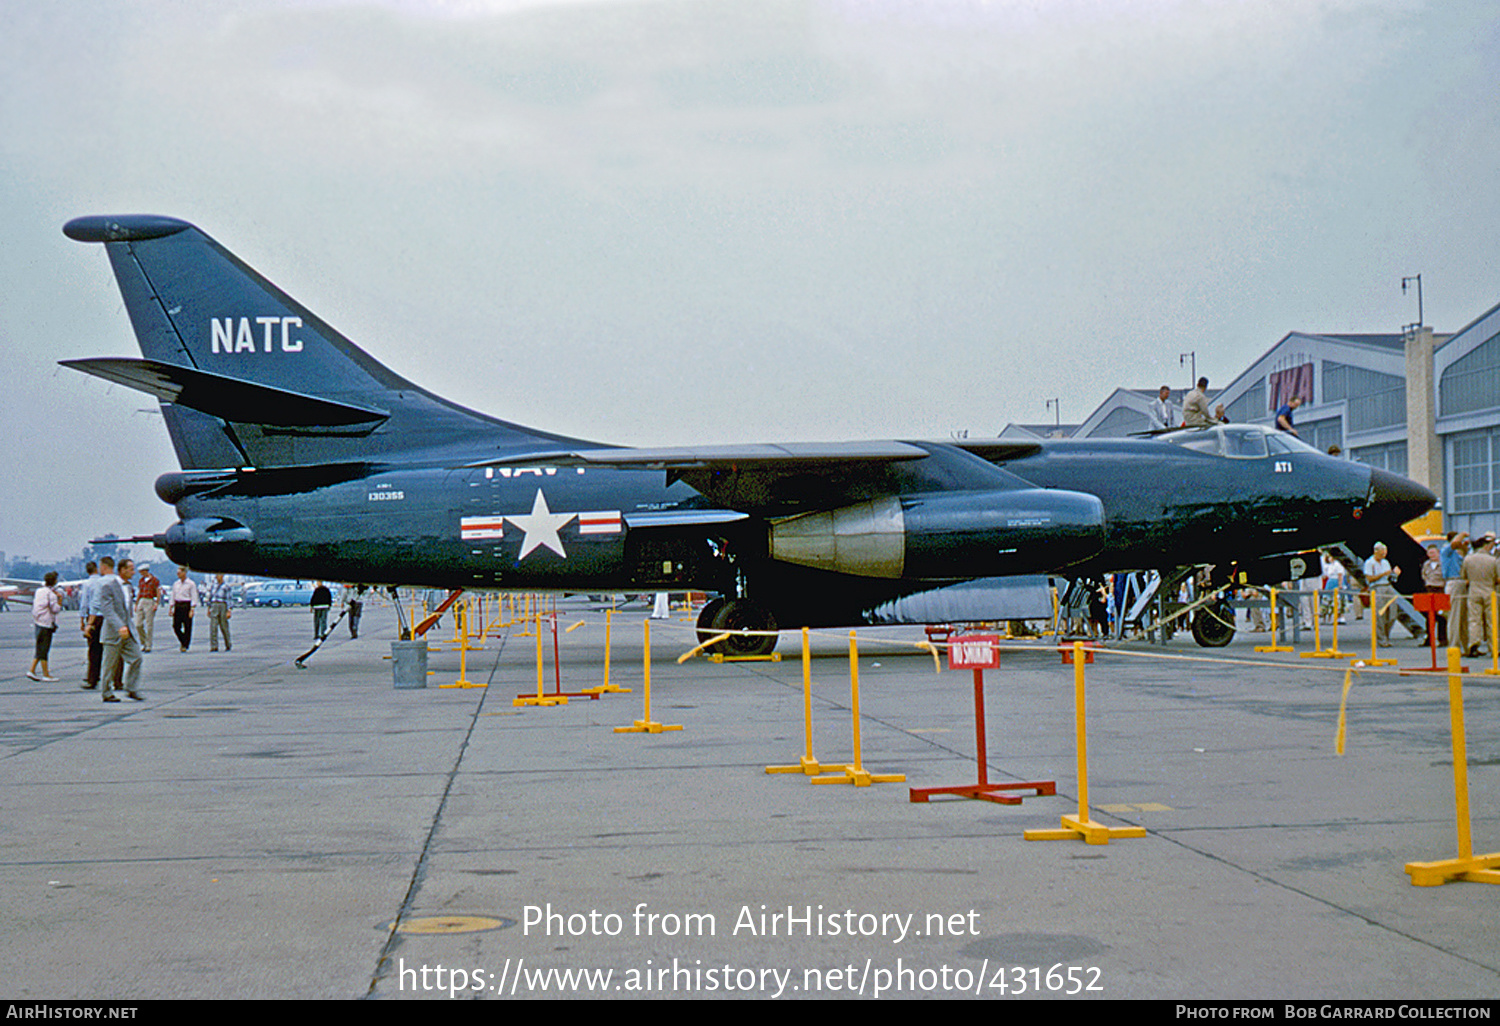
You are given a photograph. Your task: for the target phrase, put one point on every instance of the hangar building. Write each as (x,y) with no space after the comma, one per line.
(1423,405)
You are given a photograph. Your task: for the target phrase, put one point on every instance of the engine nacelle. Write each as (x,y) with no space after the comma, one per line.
(205,543)
(946,535)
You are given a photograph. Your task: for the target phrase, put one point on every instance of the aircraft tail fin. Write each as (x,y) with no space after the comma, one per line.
(247,376)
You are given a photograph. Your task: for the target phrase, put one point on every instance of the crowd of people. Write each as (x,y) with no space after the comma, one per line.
(117,616)
(1465,569)
(1195,411)
(111,613)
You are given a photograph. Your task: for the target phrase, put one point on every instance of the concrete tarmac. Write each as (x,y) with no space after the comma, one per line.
(253,830)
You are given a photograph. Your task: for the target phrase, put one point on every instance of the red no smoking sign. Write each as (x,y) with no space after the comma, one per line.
(974,652)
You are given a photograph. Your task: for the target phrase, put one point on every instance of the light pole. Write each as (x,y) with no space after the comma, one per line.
(1421,320)
(1192,360)
(1056,405)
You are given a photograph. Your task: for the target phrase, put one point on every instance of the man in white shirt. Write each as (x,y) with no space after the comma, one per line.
(1381,577)
(1162,414)
(184,598)
(1333,582)
(89,622)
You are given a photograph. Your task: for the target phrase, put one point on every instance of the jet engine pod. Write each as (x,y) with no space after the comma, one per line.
(202,541)
(946,535)
(174,487)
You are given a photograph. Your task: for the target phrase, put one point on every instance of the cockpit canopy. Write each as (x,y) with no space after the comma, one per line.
(1237,441)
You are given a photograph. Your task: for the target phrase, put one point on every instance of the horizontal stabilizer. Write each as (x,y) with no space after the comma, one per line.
(231,399)
(999,451)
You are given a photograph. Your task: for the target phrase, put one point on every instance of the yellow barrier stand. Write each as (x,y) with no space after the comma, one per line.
(856,774)
(479,637)
(1494,670)
(1375,611)
(1273,647)
(646,725)
(540,698)
(1081,825)
(607,688)
(463,652)
(1484,868)
(1319,652)
(809,765)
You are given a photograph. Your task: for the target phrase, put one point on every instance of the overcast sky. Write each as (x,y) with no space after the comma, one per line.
(662,221)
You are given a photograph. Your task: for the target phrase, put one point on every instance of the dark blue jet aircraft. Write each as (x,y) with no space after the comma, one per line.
(303,457)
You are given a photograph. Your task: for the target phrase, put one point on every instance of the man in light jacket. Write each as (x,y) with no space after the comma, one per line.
(120,644)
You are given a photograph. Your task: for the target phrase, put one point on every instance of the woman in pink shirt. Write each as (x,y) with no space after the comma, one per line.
(44,610)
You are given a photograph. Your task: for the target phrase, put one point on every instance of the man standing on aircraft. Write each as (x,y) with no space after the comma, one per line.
(1480,573)
(322,601)
(184,598)
(1381,577)
(89,624)
(1195,407)
(147,594)
(218,613)
(121,650)
(1284,415)
(1452,557)
(1163,417)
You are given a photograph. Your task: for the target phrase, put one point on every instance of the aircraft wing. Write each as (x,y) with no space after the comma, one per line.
(786,479)
(20,587)
(773,479)
(769,456)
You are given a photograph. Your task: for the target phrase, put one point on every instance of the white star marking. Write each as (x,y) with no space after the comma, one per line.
(541,526)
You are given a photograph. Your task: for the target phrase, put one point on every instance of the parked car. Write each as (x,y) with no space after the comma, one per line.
(284,593)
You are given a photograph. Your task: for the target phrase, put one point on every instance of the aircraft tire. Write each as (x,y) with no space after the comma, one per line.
(1213,626)
(744,615)
(706,620)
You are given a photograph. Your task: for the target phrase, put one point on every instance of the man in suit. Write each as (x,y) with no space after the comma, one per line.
(1163,417)
(120,644)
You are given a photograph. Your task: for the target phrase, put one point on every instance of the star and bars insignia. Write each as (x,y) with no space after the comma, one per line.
(540,528)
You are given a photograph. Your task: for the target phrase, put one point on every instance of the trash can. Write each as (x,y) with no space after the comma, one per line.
(409,663)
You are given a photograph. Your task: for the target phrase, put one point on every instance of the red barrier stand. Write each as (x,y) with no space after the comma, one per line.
(979,652)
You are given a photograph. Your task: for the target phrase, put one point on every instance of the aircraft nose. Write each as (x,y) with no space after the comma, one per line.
(1397,499)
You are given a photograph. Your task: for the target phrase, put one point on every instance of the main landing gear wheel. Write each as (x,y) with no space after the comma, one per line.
(706,619)
(722,615)
(1213,626)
